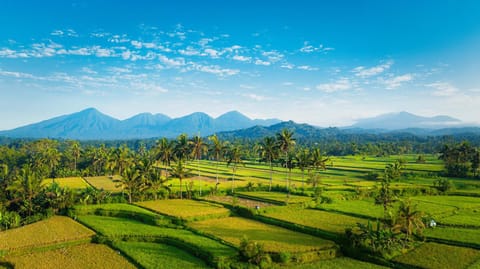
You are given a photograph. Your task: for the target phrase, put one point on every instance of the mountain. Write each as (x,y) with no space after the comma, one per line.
(405,120)
(91,124)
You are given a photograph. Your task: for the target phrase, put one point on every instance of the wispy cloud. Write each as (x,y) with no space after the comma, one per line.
(342,84)
(307,68)
(364,72)
(242,58)
(261,62)
(396,81)
(254,96)
(308,48)
(217,70)
(443,89)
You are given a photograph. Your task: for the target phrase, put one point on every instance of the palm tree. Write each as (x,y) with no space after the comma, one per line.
(74,151)
(165,152)
(286,142)
(217,148)
(234,158)
(27,185)
(132,181)
(269,152)
(198,149)
(182,148)
(303,161)
(318,161)
(51,158)
(409,219)
(155,181)
(179,171)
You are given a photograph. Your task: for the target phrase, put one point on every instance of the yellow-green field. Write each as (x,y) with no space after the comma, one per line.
(108,183)
(68,182)
(186,209)
(73,257)
(54,230)
(274,239)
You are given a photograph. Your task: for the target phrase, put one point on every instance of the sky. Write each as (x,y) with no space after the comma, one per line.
(327,63)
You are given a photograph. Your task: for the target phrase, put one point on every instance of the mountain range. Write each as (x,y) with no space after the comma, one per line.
(91,124)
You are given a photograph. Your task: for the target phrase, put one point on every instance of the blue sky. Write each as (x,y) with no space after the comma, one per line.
(326,63)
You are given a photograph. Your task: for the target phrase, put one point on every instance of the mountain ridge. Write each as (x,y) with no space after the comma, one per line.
(90,124)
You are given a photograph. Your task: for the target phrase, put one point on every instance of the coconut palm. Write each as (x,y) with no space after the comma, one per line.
(165,152)
(74,150)
(179,171)
(303,161)
(269,152)
(217,148)
(409,219)
(286,142)
(234,158)
(182,148)
(26,186)
(132,181)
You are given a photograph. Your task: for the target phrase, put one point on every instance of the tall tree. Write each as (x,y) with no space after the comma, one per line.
(26,186)
(286,142)
(182,148)
(409,219)
(165,152)
(303,158)
(269,152)
(132,180)
(74,151)
(217,148)
(180,171)
(234,158)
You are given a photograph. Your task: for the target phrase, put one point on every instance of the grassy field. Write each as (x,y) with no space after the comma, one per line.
(68,182)
(433,255)
(88,209)
(186,209)
(464,217)
(120,227)
(107,183)
(326,221)
(276,197)
(464,235)
(51,231)
(275,239)
(341,262)
(73,257)
(237,201)
(157,256)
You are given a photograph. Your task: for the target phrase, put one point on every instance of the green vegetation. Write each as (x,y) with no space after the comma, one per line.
(274,239)
(50,231)
(274,197)
(186,209)
(74,257)
(155,255)
(342,262)
(444,256)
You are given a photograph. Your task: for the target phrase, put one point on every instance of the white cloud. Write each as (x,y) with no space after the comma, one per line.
(57,33)
(126,55)
(136,44)
(260,62)
(395,82)
(273,56)
(171,62)
(307,48)
(255,97)
(189,51)
(287,66)
(217,70)
(102,52)
(88,70)
(307,68)
(364,72)
(339,85)
(288,83)
(211,52)
(242,58)
(443,89)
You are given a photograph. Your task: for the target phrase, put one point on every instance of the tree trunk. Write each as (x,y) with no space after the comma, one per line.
(271,176)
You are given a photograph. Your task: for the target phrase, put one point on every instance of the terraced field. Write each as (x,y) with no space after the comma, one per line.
(73,257)
(274,239)
(107,183)
(186,209)
(68,182)
(54,230)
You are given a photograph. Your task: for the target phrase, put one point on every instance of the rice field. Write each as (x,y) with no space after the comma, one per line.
(341,262)
(67,182)
(186,209)
(322,220)
(433,255)
(107,183)
(54,230)
(157,256)
(455,234)
(130,228)
(274,239)
(275,197)
(73,257)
